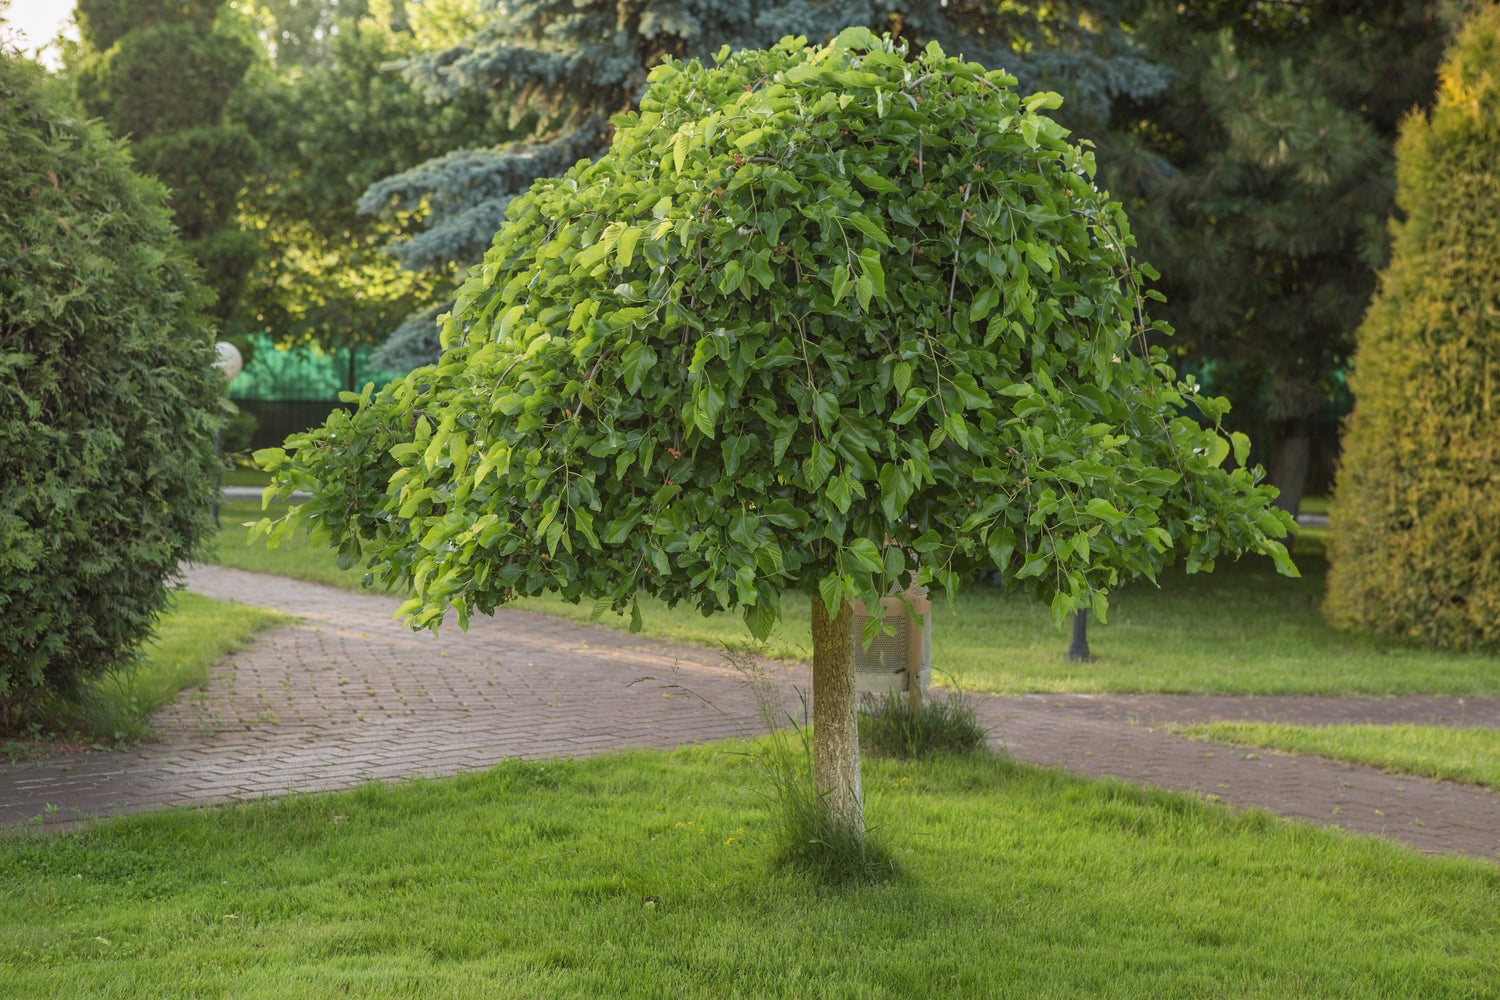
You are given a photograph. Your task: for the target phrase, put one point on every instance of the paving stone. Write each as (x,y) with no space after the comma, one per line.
(346,694)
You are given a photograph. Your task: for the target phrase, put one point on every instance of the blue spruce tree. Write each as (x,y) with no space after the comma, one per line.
(564,67)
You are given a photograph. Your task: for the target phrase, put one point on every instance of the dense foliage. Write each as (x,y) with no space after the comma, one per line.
(331,117)
(108,406)
(162,73)
(820,319)
(1416,514)
(1260,185)
(562,69)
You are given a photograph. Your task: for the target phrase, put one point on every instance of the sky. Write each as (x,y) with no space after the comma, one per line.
(38,21)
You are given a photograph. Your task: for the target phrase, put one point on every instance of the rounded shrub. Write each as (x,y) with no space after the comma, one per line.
(108,401)
(1416,508)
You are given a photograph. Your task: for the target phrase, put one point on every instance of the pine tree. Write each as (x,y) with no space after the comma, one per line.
(1416,512)
(563,68)
(1260,185)
(161,73)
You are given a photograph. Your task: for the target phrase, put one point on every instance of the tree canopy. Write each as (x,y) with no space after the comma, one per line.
(162,74)
(332,117)
(820,319)
(1260,183)
(561,70)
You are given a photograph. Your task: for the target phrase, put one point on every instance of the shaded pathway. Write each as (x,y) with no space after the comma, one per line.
(348,695)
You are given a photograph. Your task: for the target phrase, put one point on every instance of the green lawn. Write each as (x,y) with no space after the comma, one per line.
(1239,630)
(645,875)
(1471,755)
(242,476)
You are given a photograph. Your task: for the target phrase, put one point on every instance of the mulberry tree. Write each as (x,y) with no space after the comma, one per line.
(821,319)
(562,69)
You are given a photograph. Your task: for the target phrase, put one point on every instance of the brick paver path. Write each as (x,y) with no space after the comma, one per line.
(348,695)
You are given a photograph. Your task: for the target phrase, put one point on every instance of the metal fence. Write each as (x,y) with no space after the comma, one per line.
(289,390)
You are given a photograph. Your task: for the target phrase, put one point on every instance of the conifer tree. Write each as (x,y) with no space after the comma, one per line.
(1260,184)
(563,68)
(1416,512)
(161,73)
(108,401)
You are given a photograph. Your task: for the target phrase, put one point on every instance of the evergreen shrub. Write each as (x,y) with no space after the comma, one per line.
(108,403)
(1416,510)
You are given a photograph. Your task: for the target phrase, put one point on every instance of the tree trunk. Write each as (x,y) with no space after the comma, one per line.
(1290,457)
(835,722)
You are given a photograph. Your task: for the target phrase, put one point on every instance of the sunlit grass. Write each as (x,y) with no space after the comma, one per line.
(1239,630)
(1471,755)
(648,875)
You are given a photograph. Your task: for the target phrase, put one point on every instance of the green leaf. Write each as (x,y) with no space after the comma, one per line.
(840,282)
(870,179)
(1104,510)
(910,404)
(895,562)
(867,554)
(1036,564)
(625,252)
(870,227)
(1241,447)
(984,303)
(635,363)
(901,376)
(839,493)
(710,401)
(1001,543)
(826,409)
(760,618)
(817,466)
(1218,451)
(831,590)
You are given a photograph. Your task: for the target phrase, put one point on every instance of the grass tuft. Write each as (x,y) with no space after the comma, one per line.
(805,838)
(891,727)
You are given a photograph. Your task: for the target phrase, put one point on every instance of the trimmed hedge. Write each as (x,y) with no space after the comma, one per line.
(1416,509)
(108,403)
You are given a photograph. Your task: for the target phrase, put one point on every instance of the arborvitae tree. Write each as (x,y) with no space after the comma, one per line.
(329,124)
(562,68)
(161,73)
(822,320)
(108,403)
(1416,511)
(1265,185)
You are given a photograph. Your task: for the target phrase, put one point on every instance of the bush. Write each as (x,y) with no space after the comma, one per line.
(109,402)
(1416,549)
